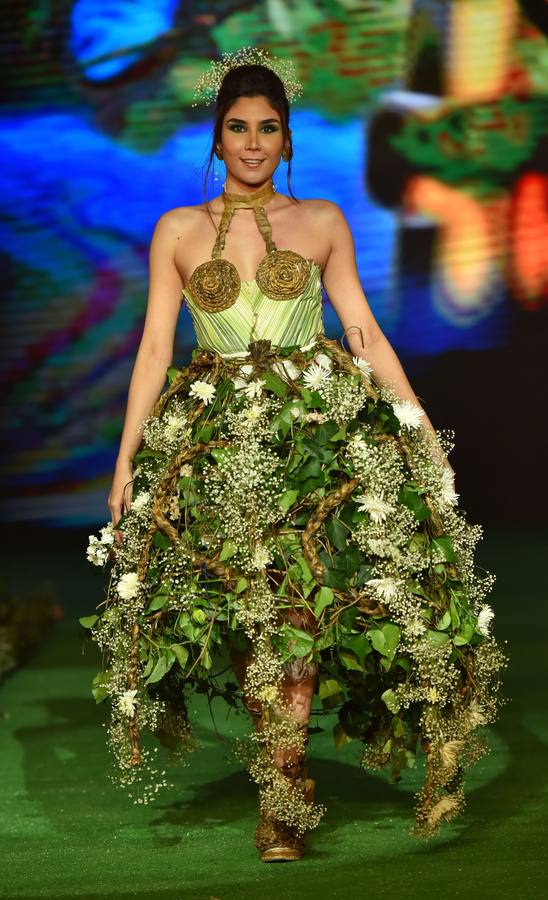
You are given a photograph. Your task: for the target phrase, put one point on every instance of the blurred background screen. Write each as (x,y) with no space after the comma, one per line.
(425,121)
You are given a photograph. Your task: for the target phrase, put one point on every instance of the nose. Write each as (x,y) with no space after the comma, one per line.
(253,140)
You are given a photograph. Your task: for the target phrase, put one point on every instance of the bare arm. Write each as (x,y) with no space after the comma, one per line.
(155,351)
(342,283)
(153,357)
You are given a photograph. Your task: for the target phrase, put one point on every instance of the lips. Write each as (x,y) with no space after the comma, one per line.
(252,162)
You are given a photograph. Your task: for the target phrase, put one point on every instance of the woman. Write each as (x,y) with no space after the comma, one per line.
(286,500)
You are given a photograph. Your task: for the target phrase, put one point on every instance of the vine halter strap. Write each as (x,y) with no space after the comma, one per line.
(281,275)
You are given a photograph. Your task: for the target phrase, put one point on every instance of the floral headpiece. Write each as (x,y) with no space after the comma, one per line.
(208,84)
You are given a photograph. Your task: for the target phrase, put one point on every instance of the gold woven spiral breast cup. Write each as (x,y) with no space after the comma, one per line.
(281,275)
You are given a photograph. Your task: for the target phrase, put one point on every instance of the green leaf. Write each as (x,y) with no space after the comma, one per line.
(337,533)
(335,579)
(163,665)
(287,499)
(181,652)
(326,432)
(340,737)
(445,544)
(204,432)
(391,700)
(437,637)
(274,383)
(445,621)
(161,540)
(324,598)
(99,686)
(455,618)
(157,602)
(307,574)
(228,550)
(464,635)
(88,621)
(298,642)
(241,585)
(409,496)
(385,640)
(172,373)
(349,660)
(359,644)
(329,687)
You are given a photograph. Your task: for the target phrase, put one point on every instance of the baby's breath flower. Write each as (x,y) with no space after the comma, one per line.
(140,502)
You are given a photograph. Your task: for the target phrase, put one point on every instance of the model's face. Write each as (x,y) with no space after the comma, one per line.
(252,141)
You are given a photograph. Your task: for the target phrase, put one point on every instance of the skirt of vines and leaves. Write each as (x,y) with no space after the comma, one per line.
(278,487)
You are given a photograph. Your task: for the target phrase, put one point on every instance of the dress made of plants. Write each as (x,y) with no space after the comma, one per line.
(290,478)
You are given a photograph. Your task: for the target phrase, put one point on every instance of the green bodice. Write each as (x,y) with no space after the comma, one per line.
(255,316)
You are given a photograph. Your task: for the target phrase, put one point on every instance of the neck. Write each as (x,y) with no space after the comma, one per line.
(257,197)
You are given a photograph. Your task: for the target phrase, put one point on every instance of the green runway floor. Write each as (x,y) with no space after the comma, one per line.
(66,831)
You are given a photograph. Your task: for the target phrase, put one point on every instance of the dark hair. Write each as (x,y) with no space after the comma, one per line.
(250,80)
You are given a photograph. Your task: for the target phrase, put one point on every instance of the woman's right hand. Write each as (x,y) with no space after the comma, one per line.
(119,498)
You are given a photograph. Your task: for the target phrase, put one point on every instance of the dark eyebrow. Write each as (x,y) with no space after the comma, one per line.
(244,122)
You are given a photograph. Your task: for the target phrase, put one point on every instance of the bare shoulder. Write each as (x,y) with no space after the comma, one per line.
(179,220)
(326,211)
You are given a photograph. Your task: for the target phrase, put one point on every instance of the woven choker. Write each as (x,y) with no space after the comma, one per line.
(281,275)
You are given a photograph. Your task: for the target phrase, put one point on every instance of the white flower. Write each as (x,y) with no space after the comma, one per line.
(261,557)
(140,501)
(322,359)
(295,412)
(415,626)
(356,442)
(186,469)
(97,553)
(375,505)
(308,346)
(107,534)
(363,365)
(432,694)
(253,413)
(484,619)
(126,702)
(173,427)
(240,381)
(315,375)
(128,586)
(386,587)
(448,495)
(315,416)
(203,390)
(286,368)
(408,413)
(254,388)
